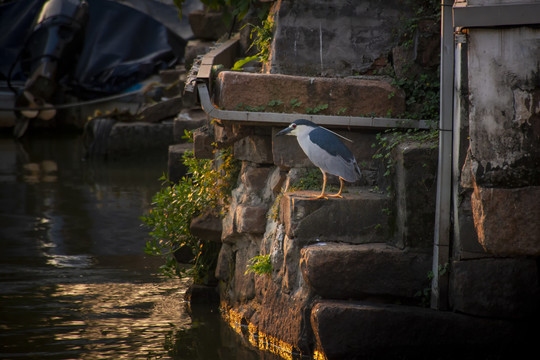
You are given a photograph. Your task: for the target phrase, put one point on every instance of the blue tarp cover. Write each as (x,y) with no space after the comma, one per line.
(122,46)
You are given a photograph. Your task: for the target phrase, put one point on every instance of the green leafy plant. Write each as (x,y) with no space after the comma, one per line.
(341,111)
(316,109)
(204,188)
(240,63)
(295,103)
(273,103)
(262,36)
(311,179)
(260,265)
(421,96)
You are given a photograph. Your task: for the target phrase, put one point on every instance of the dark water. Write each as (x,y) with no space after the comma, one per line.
(74,282)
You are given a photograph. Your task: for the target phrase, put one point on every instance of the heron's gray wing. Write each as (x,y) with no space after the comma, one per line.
(327,152)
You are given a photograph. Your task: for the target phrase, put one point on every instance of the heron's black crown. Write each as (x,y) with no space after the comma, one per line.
(305,122)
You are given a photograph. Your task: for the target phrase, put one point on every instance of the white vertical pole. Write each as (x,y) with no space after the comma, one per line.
(441,244)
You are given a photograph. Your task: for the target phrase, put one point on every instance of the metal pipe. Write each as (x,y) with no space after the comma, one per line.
(441,244)
(268,118)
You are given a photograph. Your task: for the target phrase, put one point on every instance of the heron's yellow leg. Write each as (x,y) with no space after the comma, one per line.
(338,194)
(322,195)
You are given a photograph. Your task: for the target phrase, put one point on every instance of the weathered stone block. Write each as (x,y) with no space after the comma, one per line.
(286,93)
(242,283)
(129,138)
(254,177)
(207,226)
(504,116)
(311,36)
(343,271)
(229,225)
(466,244)
(415,167)
(162,110)
(282,319)
(223,266)
(202,144)
(357,218)
(291,260)
(391,331)
(196,48)
(175,164)
(411,61)
(287,153)
(207,25)
(169,76)
(254,148)
(503,288)
(275,181)
(225,133)
(251,219)
(507,220)
(175,80)
(188,120)
(201,294)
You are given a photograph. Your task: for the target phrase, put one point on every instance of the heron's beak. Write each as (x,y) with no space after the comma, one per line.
(285,131)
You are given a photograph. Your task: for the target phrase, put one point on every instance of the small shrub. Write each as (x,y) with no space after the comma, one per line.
(205,187)
(260,265)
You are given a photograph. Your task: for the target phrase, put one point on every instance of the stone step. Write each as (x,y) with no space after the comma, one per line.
(188,119)
(162,110)
(359,217)
(395,331)
(139,137)
(170,76)
(307,94)
(346,271)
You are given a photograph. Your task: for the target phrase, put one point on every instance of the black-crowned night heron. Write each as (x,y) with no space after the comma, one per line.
(326,151)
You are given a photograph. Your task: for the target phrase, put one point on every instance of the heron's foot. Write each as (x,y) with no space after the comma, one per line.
(338,195)
(321,196)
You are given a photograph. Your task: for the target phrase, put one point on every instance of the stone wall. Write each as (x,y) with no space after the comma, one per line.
(345,39)
(497,241)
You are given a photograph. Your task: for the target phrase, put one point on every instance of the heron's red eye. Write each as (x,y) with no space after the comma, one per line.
(293,126)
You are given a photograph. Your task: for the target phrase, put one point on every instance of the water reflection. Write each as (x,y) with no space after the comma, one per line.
(74,283)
